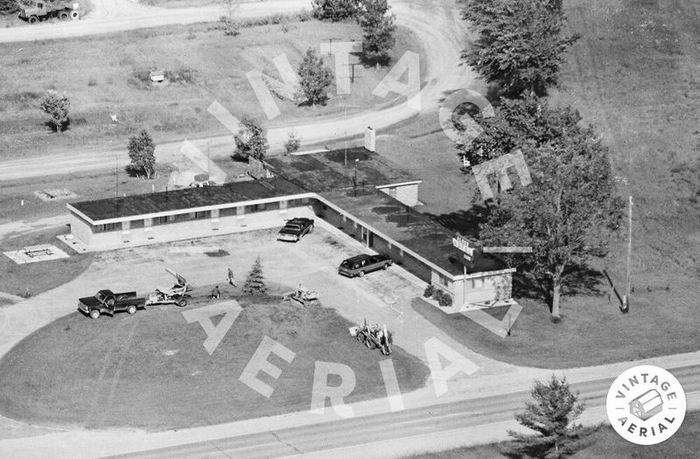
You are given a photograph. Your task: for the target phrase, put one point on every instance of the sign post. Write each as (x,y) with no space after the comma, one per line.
(467,250)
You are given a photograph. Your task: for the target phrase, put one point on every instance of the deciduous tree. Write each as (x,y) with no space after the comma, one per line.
(251,140)
(56,106)
(567,213)
(333,10)
(255,282)
(314,78)
(520,44)
(518,123)
(552,413)
(8,7)
(142,154)
(378,28)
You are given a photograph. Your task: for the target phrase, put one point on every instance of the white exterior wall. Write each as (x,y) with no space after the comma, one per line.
(406,194)
(80,229)
(191,229)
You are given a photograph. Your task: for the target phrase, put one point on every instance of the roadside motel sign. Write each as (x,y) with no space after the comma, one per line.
(463,246)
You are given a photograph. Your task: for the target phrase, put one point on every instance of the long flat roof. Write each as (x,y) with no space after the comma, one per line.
(416,231)
(186,198)
(327,171)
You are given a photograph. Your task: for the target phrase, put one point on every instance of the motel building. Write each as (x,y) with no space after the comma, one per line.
(354,192)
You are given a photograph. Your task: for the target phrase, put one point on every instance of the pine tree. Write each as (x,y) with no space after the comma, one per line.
(552,414)
(142,154)
(314,78)
(255,283)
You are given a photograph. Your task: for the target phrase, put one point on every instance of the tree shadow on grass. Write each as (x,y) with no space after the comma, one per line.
(579,280)
(465,222)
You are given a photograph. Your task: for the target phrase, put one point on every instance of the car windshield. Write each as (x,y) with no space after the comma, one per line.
(347,264)
(100,297)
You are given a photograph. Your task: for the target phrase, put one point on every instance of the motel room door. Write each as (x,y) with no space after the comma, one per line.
(367,237)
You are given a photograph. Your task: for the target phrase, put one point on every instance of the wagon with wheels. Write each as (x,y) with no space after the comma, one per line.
(178,293)
(373,336)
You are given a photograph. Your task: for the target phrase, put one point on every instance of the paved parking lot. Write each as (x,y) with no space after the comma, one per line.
(381,297)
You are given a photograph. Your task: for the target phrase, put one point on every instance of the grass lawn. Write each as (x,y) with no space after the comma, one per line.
(592,331)
(606,443)
(110,77)
(151,370)
(634,75)
(44,275)
(90,185)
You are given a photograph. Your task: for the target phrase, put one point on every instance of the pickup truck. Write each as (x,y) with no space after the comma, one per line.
(108,302)
(295,229)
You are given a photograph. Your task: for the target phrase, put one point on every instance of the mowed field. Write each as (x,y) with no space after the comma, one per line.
(151,370)
(108,75)
(634,75)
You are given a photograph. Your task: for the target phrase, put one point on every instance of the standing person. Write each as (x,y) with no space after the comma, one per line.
(215,293)
(230,278)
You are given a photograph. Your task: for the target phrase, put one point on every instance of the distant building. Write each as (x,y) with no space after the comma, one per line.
(369,200)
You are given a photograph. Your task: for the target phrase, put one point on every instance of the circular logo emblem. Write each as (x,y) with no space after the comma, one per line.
(646,405)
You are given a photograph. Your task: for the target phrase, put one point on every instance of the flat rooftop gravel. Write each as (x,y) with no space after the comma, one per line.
(411,228)
(327,171)
(187,198)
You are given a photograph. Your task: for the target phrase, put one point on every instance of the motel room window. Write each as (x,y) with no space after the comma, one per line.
(443,280)
(107,227)
(201,215)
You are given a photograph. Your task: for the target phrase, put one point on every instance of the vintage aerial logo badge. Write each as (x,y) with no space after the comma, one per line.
(646,405)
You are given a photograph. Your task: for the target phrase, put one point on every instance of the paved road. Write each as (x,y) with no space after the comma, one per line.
(395,426)
(120,15)
(437,26)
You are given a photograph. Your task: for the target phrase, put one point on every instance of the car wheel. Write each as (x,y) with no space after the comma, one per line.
(182,302)
(33,19)
(63,15)
(94,314)
(362,274)
(131,309)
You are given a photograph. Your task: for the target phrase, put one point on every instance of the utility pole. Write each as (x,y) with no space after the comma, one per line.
(116,176)
(629,255)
